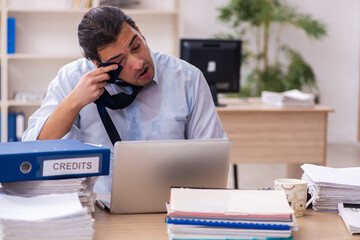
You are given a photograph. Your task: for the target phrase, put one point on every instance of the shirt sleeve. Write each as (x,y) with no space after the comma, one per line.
(203,121)
(58,89)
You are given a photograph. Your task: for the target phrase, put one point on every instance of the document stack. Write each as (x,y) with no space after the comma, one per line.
(229,214)
(350,214)
(82,186)
(55,216)
(52,166)
(332,186)
(292,98)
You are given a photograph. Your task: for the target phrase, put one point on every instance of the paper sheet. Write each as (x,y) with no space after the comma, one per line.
(39,208)
(344,176)
(351,218)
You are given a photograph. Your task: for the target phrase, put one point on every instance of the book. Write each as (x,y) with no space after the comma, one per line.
(229,203)
(232,233)
(229,214)
(77,4)
(222,237)
(51,159)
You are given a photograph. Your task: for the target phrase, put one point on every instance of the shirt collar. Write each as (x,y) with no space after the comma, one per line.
(155,79)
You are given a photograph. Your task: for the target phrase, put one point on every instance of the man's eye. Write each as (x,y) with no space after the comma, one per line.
(136,47)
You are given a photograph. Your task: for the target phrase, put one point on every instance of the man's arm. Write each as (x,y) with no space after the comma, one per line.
(90,87)
(203,121)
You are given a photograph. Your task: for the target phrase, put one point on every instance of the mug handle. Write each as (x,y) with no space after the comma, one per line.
(314,195)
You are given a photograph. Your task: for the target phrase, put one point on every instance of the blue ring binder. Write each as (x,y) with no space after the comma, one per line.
(51,159)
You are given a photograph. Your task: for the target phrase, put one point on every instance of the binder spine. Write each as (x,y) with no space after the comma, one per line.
(41,164)
(11,35)
(25,168)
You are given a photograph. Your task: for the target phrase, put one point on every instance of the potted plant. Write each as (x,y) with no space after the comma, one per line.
(263,21)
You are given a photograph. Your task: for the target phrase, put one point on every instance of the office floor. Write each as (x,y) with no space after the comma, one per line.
(256,176)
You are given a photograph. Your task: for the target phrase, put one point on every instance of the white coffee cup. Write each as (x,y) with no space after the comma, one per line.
(296,193)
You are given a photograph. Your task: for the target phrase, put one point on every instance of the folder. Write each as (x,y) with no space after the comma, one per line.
(11,35)
(16,126)
(51,159)
(12,127)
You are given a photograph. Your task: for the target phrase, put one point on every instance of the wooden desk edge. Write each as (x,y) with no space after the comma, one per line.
(255,105)
(313,225)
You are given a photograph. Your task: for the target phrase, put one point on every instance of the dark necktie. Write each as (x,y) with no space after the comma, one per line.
(117,101)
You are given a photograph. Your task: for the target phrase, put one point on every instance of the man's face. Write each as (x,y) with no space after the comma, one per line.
(133,54)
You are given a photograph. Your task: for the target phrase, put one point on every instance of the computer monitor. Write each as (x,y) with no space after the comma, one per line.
(218,59)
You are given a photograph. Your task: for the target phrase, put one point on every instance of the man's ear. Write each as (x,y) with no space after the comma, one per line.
(95,62)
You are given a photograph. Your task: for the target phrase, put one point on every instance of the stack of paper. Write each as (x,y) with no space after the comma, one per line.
(332,186)
(292,98)
(350,214)
(82,186)
(55,216)
(229,214)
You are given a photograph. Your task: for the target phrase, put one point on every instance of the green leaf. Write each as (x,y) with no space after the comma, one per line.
(313,28)
(245,17)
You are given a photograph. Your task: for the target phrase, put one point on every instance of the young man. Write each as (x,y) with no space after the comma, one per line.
(161,97)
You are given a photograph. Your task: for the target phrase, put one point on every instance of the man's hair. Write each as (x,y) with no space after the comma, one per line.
(100,27)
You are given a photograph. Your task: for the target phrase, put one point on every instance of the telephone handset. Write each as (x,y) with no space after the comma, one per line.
(117,101)
(114,74)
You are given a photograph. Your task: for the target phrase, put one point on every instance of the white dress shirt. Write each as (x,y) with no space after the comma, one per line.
(177,104)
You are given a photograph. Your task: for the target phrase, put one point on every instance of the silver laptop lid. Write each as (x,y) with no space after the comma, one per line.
(144,171)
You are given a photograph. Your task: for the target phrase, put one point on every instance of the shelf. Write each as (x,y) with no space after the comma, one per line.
(131,12)
(15,103)
(46,11)
(42,56)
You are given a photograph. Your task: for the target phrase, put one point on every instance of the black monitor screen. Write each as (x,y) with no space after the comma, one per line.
(219,61)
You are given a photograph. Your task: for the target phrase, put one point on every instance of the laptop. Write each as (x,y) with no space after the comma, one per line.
(145,171)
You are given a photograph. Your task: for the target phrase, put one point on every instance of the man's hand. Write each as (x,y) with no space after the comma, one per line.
(91,86)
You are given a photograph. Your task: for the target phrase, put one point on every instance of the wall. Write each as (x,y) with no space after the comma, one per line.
(335,59)
(336,62)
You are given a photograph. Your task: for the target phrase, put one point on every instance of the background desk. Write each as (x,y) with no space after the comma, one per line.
(263,133)
(314,225)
